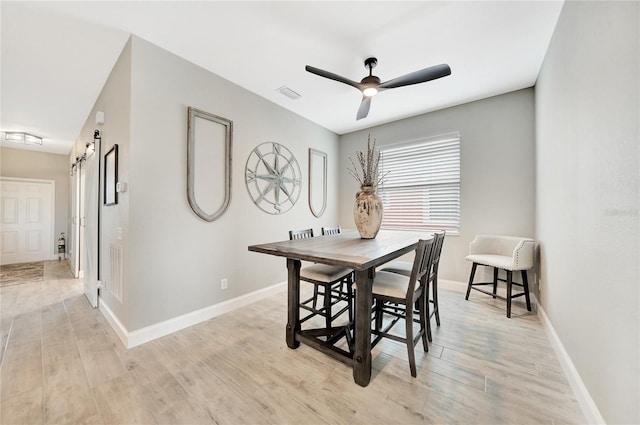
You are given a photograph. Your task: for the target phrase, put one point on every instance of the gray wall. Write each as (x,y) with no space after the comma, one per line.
(587,146)
(176,260)
(114,100)
(497,168)
(29,164)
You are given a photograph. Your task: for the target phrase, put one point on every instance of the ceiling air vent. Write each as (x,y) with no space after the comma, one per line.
(288,92)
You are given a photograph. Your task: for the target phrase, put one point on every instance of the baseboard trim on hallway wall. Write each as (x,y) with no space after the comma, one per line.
(158,330)
(116,324)
(588,406)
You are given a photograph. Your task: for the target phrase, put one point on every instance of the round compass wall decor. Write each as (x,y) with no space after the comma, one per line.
(273,178)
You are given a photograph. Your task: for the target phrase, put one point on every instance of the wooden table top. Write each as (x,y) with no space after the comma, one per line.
(346,249)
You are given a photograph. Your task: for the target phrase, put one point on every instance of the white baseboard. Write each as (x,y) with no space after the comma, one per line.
(141,336)
(116,324)
(588,406)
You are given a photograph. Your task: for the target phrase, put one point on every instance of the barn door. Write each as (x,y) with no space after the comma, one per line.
(90,223)
(74,238)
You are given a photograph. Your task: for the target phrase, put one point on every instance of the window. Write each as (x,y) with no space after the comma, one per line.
(421,187)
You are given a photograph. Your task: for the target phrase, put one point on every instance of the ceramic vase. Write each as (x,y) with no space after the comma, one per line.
(367,212)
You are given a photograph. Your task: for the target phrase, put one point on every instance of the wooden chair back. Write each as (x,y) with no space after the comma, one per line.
(438,240)
(421,267)
(330,230)
(300,234)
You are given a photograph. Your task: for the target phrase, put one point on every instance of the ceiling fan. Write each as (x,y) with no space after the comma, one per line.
(370,85)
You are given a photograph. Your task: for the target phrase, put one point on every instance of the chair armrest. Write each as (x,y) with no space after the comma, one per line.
(523,254)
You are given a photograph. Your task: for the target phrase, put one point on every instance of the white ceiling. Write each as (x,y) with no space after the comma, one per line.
(56,56)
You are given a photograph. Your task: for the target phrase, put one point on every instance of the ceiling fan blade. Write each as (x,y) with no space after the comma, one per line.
(416,77)
(363,110)
(332,76)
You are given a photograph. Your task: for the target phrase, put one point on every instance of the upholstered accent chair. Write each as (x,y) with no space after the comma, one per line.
(508,253)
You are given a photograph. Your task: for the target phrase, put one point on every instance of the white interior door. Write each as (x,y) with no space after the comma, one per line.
(74,239)
(81,220)
(91,197)
(27,220)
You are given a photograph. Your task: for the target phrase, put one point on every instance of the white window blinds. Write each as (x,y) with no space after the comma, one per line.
(421,187)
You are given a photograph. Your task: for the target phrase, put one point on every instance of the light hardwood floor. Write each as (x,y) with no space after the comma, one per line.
(62,364)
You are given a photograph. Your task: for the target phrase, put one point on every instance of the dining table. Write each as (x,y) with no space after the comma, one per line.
(345,249)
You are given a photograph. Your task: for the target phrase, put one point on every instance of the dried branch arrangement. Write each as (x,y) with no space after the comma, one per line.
(368,164)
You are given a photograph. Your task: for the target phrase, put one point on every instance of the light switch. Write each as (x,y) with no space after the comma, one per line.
(119,233)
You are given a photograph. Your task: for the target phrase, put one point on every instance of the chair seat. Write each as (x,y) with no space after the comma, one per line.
(494,260)
(401,267)
(390,285)
(324,273)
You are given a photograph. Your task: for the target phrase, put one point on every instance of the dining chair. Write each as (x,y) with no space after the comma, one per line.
(334,230)
(396,295)
(329,278)
(508,253)
(405,268)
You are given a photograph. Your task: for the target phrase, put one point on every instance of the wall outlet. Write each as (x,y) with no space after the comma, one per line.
(224,283)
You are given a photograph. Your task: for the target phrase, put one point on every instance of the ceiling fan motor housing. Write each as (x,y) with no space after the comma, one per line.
(370,79)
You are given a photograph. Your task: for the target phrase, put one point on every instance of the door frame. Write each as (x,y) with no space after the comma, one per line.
(52,226)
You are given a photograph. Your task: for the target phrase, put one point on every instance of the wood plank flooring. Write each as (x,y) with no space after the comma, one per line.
(62,364)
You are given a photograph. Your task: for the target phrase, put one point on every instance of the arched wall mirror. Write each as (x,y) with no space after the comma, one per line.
(209,139)
(317,182)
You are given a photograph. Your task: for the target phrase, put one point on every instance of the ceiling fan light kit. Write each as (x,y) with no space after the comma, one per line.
(370,91)
(371,85)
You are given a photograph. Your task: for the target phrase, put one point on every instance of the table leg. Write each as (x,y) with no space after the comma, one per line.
(293,302)
(362,354)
